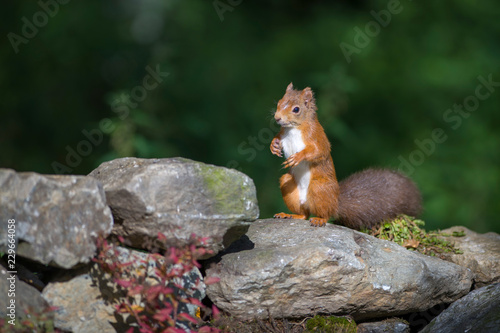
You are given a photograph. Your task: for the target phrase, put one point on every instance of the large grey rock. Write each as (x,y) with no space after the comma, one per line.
(481,253)
(477,312)
(177,197)
(57,218)
(86,303)
(286,268)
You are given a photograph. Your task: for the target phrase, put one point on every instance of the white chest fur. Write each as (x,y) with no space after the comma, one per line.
(292,143)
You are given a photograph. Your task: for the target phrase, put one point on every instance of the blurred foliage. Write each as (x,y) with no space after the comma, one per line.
(227,69)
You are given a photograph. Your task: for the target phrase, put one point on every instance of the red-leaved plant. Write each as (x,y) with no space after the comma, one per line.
(158,304)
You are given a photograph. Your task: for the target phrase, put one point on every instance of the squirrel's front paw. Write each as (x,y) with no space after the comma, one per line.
(276,147)
(292,161)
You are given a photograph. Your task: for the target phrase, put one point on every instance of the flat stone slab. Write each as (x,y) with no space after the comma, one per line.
(286,268)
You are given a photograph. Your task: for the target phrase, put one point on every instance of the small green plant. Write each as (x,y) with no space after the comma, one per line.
(35,320)
(408,232)
(332,324)
(158,306)
(228,323)
(454,234)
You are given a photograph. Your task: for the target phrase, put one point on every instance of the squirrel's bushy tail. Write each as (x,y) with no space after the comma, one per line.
(373,195)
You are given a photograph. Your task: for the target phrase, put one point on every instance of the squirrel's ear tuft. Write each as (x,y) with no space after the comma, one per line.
(307,94)
(290,87)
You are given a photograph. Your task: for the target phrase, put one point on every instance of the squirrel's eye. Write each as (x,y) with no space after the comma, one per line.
(296,109)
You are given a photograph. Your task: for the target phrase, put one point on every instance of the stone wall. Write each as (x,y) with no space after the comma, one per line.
(267,268)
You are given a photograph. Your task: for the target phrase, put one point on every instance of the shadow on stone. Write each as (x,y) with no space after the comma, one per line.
(242,244)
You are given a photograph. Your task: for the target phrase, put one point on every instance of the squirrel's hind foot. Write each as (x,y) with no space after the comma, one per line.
(318,221)
(289,216)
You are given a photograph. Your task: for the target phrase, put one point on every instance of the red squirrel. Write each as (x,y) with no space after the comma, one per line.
(310,187)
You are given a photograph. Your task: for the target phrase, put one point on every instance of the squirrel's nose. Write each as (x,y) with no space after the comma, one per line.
(277,119)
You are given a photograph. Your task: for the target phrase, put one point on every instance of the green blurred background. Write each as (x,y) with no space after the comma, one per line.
(72,68)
